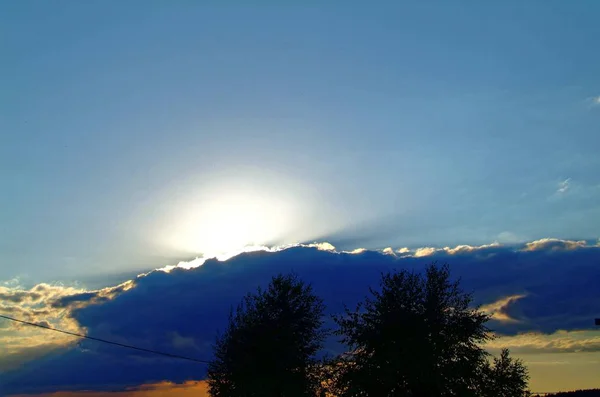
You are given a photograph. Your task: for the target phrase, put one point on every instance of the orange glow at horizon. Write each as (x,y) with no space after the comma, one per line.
(162,389)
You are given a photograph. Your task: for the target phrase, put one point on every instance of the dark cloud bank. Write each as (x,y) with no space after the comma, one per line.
(181,311)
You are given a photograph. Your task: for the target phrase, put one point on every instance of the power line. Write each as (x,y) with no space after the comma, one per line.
(105,341)
(128,346)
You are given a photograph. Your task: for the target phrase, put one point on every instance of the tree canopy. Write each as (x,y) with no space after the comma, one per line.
(418,335)
(269,346)
(507,377)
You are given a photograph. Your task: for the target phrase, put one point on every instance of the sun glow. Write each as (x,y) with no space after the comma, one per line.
(237,211)
(230,222)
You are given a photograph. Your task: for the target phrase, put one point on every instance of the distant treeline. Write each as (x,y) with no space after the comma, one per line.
(577,393)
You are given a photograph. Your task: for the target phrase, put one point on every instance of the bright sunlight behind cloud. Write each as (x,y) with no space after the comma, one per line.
(238,212)
(228,222)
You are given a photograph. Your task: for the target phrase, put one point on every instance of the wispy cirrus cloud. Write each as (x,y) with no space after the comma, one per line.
(563,186)
(591,102)
(508,237)
(594,101)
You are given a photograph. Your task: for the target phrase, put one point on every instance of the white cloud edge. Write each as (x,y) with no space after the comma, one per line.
(403,252)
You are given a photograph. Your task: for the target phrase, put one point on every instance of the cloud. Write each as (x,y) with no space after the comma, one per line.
(509,238)
(322,246)
(558,342)
(357,251)
(458,250)
(425,251)
(389,251)
(534,291)
(594,101)
(563,186)
(46,305)
(181,342)
(199,261)
(554,244)
(497,309)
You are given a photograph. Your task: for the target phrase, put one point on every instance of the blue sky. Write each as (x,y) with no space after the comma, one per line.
(402,124)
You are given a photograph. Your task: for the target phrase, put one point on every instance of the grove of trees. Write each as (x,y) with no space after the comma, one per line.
(416,336)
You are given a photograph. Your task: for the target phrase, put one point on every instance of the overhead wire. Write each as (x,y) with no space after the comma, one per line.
(176,356)
(105,341)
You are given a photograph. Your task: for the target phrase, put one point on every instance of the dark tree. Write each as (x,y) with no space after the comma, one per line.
(416,336)
(507,377)
(577,393)
(269,346)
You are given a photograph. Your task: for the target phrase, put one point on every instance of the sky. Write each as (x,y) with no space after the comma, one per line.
(140,135)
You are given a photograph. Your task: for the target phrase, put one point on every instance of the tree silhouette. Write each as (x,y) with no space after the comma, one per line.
(577,393)
(506,378)
(269,346)
(417,336)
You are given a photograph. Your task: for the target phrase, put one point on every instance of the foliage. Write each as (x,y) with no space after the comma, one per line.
(269,346)
(417,336)
(507,377)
